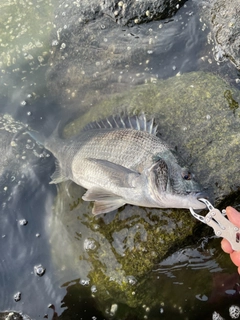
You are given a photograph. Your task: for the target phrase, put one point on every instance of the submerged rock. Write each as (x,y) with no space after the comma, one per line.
(91,48)
(12,315)
(226,28)
(198,114)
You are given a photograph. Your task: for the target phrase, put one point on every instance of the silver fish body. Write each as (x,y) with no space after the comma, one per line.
(121,160)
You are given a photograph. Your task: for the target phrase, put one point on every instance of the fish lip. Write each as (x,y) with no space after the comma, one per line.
(199,194)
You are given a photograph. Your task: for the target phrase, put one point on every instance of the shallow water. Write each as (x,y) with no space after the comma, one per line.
(180,44)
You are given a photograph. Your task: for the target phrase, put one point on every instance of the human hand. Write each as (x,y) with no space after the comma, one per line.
(234,217)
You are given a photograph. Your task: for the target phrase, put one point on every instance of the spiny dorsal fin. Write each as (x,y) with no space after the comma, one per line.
(136,122)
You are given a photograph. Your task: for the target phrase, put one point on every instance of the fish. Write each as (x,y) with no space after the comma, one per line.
(121,160)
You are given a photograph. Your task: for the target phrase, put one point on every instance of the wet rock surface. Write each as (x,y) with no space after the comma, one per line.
(226,28)
(91,47)
(13,316)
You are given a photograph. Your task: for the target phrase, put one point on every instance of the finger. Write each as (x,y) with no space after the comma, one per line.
(235,257)
(226,246)
(233,216)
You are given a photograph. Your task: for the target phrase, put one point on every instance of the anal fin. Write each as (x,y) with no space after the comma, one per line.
(104,201)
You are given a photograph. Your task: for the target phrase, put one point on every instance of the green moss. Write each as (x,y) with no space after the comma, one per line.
(233,104)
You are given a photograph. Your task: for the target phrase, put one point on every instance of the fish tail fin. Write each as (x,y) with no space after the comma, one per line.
(55,135)
(42,139)
(37,136)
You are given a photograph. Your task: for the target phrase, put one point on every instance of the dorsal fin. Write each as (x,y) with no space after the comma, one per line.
(136,122)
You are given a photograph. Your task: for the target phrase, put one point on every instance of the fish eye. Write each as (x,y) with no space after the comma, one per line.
(187,176)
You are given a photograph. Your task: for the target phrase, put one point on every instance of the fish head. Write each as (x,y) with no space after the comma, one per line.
(173,186)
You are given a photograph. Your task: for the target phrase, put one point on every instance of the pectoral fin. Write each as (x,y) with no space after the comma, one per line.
(104,200)
(119,175)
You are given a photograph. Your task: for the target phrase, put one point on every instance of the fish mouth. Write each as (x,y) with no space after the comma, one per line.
(195,199)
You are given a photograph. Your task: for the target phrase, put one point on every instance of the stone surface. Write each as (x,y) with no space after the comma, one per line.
(226,28)
(91,48)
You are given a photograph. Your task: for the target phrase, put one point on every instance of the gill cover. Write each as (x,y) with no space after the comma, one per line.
(159,175)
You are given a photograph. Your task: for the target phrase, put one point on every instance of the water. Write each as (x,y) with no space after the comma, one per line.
(193,282)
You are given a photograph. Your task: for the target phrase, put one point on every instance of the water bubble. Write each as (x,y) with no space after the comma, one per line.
(216,316)
(208,117)
(55,43)
(39,270)
(40,59)
(113,309)
(28,146)
(150,51)
(161,310)
(17,296)
(234,312)
(148,13)
(23,103)
(37,235)
(93,289)
(5,188)
(89,244)
(174,67)
(202,297)
(29,96)
(63,46)
(23,222)
(131,280)
(84,282)
(29,113)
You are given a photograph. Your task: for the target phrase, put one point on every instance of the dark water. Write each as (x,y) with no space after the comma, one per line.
(182,46)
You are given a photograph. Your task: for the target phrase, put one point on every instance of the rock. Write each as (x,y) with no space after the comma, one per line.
(90,47)
(226,28)
(198,114)
(12,315)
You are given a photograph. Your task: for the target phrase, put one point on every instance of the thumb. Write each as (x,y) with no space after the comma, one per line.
(233,216)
